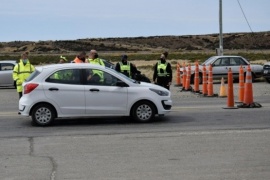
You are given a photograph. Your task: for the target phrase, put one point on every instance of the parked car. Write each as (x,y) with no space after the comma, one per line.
(66,90)
(266,71)
(221,65)
(6,69)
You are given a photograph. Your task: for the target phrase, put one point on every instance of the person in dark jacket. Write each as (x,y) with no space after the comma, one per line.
(126,67)
(163,73)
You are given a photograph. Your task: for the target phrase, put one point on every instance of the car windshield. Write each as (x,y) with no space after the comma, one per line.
(208,61)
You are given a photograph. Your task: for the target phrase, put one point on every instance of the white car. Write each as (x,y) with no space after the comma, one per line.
(221,65)
(67,90)
(6,70)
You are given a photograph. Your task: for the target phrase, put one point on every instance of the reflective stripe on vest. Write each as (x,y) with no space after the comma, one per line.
(163,67)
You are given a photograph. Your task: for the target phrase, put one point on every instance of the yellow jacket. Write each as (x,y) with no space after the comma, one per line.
(21,72)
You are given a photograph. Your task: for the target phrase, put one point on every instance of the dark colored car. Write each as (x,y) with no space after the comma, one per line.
(266,71)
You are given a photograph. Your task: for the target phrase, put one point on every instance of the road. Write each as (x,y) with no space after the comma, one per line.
(199,139)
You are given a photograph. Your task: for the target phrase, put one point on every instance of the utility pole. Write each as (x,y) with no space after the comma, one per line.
(220,29)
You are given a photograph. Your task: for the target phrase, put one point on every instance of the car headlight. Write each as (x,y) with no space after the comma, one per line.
(160,92)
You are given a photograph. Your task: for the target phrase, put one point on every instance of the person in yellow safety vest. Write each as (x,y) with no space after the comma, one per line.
(62,60)
(93,59)
(22,71)
(163,73)
(126,67)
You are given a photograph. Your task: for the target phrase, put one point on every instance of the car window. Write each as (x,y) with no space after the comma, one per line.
(217,62)
(65,76)
(6,66)
(225,61)
(100,78)
(241,61)
(33,75)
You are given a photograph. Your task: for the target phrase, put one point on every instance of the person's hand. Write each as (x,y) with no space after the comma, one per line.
(89,77)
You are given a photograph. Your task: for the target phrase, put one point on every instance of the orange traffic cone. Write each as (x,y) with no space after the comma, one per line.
(210,82)
(178,79)
(248,90)
(230,98)
(241,85)
(187,86)
(204,89)
(222,89)
(196,78)
(184,76)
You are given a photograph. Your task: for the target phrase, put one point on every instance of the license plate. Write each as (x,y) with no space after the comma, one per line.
(265,71)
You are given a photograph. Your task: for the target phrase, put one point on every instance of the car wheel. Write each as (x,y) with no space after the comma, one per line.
(192,79)
(268,80)
(143,111)
(43,115)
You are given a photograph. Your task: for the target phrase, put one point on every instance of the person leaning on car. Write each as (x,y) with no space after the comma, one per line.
(94,59)
(126,67)
(22,71)
(80,58)
(163,72)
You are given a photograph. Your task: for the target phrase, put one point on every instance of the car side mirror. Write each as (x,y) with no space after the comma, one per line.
(213,65)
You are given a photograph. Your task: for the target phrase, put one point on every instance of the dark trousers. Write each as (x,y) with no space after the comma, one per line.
(20,95)
(164,82)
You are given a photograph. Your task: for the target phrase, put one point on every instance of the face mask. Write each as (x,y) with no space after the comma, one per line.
(24,61)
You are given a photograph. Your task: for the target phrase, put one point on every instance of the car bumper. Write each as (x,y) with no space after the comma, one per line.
(24,107)
(166,107)
(266,73)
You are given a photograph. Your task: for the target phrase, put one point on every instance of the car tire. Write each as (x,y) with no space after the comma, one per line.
(43,115)
(268,80)
(192,79)
(143,111)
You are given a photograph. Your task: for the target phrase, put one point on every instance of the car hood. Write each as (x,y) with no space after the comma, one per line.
(151,85)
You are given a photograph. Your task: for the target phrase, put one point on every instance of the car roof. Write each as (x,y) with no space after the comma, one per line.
(227,56)
(8,61)
(70,65)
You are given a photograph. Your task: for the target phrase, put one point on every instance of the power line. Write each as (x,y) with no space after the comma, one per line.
(244,15)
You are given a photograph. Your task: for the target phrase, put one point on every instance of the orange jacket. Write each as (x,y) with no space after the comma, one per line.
(77,60)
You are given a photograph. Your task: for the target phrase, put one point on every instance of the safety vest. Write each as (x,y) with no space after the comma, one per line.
(163,67)
(125,68)
(21,72)
(98,61)
(63,75)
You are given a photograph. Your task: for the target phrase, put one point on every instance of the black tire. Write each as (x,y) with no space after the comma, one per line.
(143,111)
(268,80)
(192,79)
(43,115)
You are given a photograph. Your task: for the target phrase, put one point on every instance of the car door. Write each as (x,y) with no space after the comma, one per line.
(64,88)
(236,62)
(6,78)
(105,97)
(220,67)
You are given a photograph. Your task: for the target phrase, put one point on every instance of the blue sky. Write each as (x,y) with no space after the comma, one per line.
(36,20)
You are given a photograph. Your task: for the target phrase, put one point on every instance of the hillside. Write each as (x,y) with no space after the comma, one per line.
(231,41)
